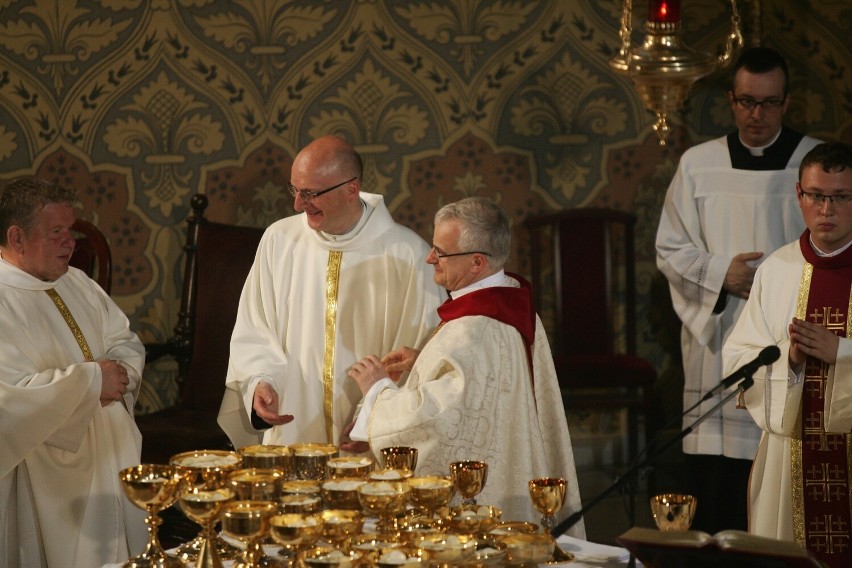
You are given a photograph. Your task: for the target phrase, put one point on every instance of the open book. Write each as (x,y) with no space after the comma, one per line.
(730,548)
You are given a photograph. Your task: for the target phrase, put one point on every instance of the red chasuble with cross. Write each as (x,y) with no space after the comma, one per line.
(821,460)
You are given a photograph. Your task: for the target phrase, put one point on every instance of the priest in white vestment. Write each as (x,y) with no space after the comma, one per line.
(780,311)
(728,205)
(70,374)
(336,282)
(484,386)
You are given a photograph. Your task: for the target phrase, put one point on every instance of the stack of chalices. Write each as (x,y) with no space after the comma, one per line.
(305,505)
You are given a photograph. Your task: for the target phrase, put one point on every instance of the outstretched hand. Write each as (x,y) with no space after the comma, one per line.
(367,372)
(265,404)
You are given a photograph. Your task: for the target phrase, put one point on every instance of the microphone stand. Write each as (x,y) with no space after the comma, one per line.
(574,518)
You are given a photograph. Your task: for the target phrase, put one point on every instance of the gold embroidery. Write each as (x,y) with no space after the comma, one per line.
(332,281)
(72,323)
(796,439)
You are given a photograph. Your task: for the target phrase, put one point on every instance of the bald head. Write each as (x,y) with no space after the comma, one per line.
(329,156)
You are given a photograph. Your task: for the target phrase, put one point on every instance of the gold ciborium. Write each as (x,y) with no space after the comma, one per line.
(531,549)
(472,519)
(301,487)
(329,557)
(399,457)
(306,504)
(673,511)
(548,497)
(430,492)
(447,550)
(310,461)
(399,557)
(204,506)
(154,487)
(294,532)
(349,466)
(248,521)
(251,484)
(210,469)
(470,478)
(390,474)
(385,500)
(265,456)
(338,525)
(342,493)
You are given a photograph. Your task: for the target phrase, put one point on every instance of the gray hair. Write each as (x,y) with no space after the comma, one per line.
(23,197)
(484,227)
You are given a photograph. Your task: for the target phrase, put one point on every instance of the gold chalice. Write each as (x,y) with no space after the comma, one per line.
(370,545)
(251,484)
(399,457)
(294,532)
(349,466)
(673,511)
(532,549)
(548,497)
(204,506)
(513,527)
(390,474)
(447,550)
(154,487)
(310,461)
(266,456)
(338,525)
(489,552)
(430,492)
(385,500)
(301,487)
(472,519)
(470,478)
(248,521)
(210,469)
(329,557)
(342,493)
(305,504)
(400,557)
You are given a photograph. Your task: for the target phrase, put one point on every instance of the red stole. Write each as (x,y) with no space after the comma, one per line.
(821,494)
(512,306)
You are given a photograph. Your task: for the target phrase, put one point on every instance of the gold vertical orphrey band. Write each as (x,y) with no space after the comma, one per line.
(332,282)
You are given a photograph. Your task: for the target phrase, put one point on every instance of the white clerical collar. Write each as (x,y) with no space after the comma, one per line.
(353,232)
(827,254)
(499,278)
(758,150)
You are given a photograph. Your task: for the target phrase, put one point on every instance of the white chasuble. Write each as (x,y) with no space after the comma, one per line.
(470,397)
(310,308)
(779,481)
(61,502)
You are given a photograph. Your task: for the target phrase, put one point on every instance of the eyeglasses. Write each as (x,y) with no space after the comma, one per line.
(820,198)
(766,104)
(446,255)
(308,195)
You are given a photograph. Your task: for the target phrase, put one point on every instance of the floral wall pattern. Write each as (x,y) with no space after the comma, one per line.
(140,104)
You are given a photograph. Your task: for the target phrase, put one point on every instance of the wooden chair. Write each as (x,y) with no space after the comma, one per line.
(218,259)
(92,253)
(591,253)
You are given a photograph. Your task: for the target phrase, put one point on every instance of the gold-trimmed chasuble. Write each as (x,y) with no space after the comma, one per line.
(822,510)
(72,323)
(332,284)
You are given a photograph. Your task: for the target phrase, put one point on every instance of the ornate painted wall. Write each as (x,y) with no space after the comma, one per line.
(140,104)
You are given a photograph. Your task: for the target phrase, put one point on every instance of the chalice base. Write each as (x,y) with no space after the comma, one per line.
(190,551)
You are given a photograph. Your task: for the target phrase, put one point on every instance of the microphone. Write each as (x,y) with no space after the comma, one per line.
(768,355)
